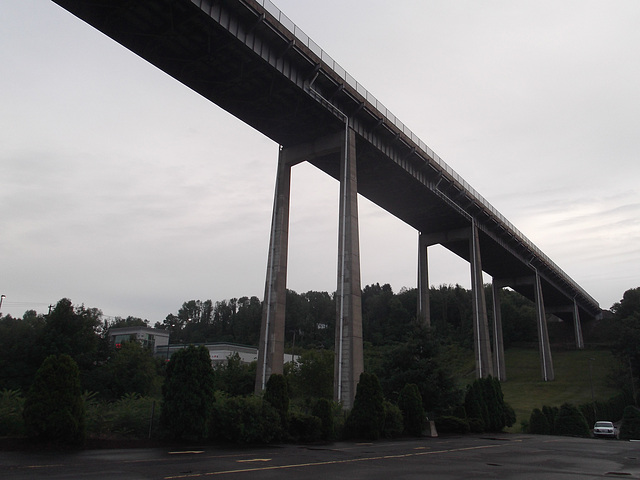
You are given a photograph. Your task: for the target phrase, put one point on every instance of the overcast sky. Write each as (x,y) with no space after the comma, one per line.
(121,189)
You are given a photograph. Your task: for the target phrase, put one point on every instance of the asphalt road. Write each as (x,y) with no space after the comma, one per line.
(470,457)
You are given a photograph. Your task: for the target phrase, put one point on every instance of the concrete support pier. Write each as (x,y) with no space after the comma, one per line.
(499,368)
(481,339)
(349,360)
(546,362)
(423,311)
(577,326)
(271,347)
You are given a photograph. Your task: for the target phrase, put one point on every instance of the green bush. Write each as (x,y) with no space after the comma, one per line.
(304,428)
(188,394)
(323,409)
(277,394)
(11,406)
(611,409)
(550,413)
(393,420)
(484,400)
(476,425)
(366,419)
(570,422)
(131,416)
(96,414)
(450,424)
(630,428)
(244,420)
(54,408)
(410,403)
(538,423)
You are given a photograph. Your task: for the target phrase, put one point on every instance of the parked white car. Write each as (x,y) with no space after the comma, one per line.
(604,429)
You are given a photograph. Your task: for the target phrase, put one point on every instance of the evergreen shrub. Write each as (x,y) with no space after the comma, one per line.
(410,403)
(630,428)
(244,420)
(11,406)
(277,394)
(450,424)
(188,394)
(54,409)
(570,422)
(393,420)
(323,409)
(304,428)
(538,423)
(366,419)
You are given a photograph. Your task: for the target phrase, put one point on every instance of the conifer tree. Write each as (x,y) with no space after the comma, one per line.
(54,409)
(188,394)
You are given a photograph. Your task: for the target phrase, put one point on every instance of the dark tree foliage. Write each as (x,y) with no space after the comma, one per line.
(451,313)
(54,409)
(611,409)
(130,321)
(476,407)
(366,419)
(21,350)
(485,401)
(410,403)
(311,317)
(538,423)
(418,360)
(188,394)
(551,413)
(630,428)
(451,424)
(131,369)
(234,377)
(323,409)
(570,422)
(276,393)
(627,316)
(313,375)
(393,420)
(72,330)
(235,320)
(244,420)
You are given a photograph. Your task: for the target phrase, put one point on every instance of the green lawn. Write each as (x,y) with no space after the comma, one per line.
(524,390)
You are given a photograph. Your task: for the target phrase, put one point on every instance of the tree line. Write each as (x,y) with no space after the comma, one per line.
(310,317)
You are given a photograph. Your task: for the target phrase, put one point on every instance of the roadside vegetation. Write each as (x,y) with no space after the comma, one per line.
(412,374)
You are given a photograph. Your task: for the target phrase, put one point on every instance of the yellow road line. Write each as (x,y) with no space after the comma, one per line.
(330,462)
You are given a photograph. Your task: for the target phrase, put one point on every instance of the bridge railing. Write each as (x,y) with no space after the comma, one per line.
(386,113)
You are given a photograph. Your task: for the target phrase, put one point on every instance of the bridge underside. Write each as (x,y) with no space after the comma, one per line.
(196,42)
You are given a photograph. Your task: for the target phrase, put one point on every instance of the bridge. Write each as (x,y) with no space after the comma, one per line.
(247,57)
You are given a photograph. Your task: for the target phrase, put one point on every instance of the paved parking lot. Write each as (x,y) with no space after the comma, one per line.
(502,456)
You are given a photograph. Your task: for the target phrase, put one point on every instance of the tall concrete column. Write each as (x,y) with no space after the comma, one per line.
(424,310)
(271,347)
(577,326)
(349,361)
(546,362)
(499,367)
(481,340)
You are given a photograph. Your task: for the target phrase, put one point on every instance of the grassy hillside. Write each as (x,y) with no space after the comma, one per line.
(524,390)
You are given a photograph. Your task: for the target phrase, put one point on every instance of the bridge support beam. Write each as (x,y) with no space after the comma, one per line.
(499,368)
(271,347)
(577,326)
(424,310)
(349,359)
(481,339)
(546,362)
